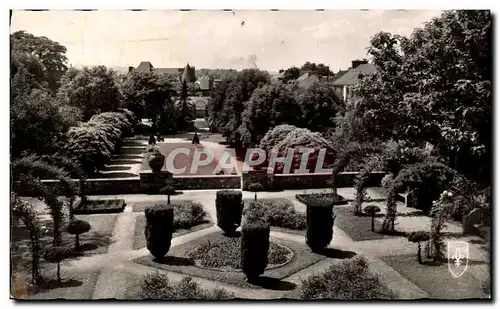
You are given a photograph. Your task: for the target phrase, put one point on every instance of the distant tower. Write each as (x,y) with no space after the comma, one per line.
(188,74)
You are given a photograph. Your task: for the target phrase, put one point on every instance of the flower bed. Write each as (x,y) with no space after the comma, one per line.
(279,213)
(225,255)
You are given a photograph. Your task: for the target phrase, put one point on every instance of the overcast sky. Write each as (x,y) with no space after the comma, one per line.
(216,39)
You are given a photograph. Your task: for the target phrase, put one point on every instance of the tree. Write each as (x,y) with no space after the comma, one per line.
(50,53)
(93,90)
(418,237)
(319,68)
(435,87)
(184,110)
(269,106)
(372,211)
(77,227)
(37,126)
(319,104)
(255,187)
(291,74)
(229,99)
(28,171)
(150,95)
(56,255)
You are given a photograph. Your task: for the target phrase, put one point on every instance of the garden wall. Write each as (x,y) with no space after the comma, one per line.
(112,186)
(306,181)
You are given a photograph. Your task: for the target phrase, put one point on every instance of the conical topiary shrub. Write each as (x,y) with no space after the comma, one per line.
(159,229)
(320,219)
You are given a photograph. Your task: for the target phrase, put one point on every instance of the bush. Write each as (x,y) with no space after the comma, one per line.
(168,190)
(320,220)
(77,227)
(254,249)
(56,255)
(278,213)
(159,229)
(188,214)
(229,206)
(312,198)
(157,286)
(196,139)
(350,280)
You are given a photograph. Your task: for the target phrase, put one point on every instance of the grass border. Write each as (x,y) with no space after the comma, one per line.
(79,210)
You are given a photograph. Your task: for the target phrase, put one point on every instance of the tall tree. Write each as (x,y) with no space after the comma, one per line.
(319,104)
(291,74)
(269,106)
(51,54)
(93,90)
(150,95)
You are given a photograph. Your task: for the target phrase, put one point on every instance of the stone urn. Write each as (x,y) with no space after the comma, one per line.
(156,161)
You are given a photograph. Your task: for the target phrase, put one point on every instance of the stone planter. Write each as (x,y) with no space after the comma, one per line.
(156,161)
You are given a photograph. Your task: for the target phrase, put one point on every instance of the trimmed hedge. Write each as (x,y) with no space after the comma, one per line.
(229,206)
(312,198)
(277,212)
(320,219)
(254,249)
(159,229)
(99,207)
(157,286)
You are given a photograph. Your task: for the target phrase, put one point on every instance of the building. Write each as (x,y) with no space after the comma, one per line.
(206,84)
(343,83)
(187,73)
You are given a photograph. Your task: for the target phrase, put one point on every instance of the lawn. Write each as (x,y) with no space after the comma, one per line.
(177,261)
(436,280)
(74,285)
(356,227)
(182,160)
(189,216)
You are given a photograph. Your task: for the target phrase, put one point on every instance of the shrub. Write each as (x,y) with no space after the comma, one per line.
(157,286)
(255,187)
(196,139)
(372,210)
(320,220)
(159,229)
(77,227)
(279,213)
(418,237)
(254,249)
(349,280)
(229,206)
(56,255)
(168,190)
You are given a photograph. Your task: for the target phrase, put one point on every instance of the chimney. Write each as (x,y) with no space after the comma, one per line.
(130,69)
(356,63)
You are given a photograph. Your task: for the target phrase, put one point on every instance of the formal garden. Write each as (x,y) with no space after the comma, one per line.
(96,213)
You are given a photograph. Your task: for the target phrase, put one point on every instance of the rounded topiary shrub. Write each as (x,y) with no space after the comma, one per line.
(56,255)
(159,229)
(255,187)
(320,218)
(254,249)
(229,206)
(168,191)
(77,227)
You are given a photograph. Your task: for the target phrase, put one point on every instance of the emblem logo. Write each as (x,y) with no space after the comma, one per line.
(458,257)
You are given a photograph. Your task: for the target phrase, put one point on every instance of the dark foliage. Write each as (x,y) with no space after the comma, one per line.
(229,206)
(254,249)
(159,229)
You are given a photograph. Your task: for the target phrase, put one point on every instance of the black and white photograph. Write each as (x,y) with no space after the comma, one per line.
(241,154)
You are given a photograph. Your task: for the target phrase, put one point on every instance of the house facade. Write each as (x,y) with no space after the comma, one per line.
(344,83)
(187,73)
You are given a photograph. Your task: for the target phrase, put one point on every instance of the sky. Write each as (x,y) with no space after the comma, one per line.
(269,40)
